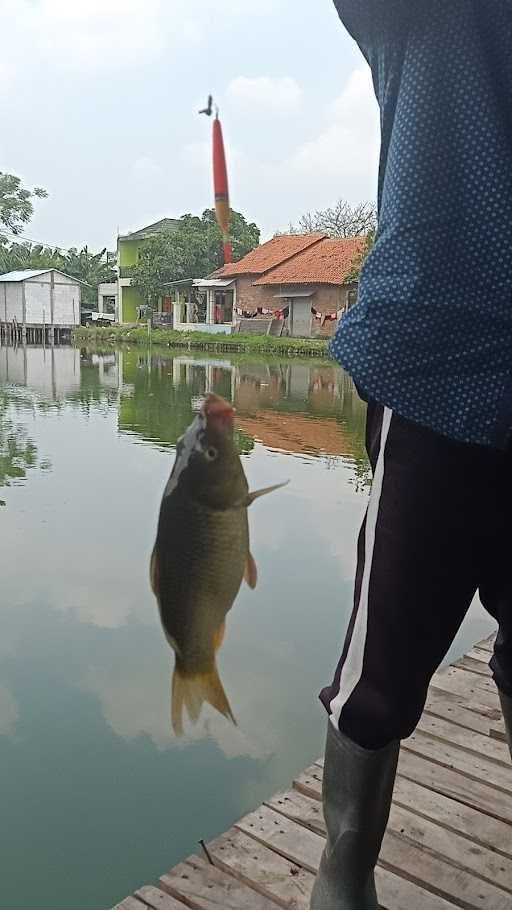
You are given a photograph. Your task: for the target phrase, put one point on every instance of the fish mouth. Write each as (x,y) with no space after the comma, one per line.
(217,410)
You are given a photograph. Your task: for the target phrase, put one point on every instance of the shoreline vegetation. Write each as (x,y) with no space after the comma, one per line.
(203,341)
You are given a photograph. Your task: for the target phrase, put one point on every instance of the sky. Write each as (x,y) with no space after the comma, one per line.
(99,104)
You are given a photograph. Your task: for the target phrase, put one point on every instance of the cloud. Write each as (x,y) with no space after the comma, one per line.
(279,181)
(146,169)
(349,143)
(265,95)
(91,36)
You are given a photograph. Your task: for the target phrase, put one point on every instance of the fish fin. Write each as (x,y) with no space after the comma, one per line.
(191,692)
(218,636)
(250,571)
(257,493)
(153,573)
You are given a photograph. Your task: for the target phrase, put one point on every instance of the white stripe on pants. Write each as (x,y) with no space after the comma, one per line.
(353,666)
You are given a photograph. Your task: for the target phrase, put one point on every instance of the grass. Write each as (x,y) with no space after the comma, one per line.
(203,341)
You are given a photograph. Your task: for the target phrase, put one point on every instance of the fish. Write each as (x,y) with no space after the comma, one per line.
(201,556)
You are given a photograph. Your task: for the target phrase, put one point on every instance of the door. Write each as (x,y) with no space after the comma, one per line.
(300,313)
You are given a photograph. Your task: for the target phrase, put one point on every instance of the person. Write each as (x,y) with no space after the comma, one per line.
(429,346)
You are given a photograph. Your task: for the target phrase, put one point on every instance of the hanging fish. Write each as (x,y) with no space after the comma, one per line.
(201,555)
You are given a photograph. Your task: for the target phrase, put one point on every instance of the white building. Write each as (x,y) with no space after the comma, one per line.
(37,297)
(107,297)
(204,305)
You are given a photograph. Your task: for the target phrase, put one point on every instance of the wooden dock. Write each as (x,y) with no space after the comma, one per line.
(449,840)
(13,333)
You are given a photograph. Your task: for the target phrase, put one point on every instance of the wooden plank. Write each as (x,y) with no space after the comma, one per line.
(454,816)
(497,731)
(455,785)
(451,707)
(487,644)
(130,903)
(473,766)
(470,685)
(442,779)
(478,654)
(397,893)
(204,887)
(305,847)
(440,877)
(284,882)
(158,899)
(466,739)
(309,782)
(452,847)
(442,809)
(469,697)
(467,703)
(473,666)
(299,845)
(306,810)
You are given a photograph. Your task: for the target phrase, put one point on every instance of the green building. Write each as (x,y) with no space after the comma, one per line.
(128,250)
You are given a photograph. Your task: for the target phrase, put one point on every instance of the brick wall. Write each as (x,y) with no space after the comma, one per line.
(327,299)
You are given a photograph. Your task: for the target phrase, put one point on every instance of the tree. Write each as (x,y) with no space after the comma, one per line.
(343,220)
(361,259)
(93,268)
(194,249)
(16,208)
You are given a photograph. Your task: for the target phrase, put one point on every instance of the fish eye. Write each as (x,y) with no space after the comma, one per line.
(211,453)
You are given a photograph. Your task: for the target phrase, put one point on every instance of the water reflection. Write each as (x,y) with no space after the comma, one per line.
(84,670)
(296,408)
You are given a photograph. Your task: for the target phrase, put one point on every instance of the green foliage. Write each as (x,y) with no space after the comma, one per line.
(259,344)
(360,261)
(18,452)
(93,268)
(16,208)
(193,250)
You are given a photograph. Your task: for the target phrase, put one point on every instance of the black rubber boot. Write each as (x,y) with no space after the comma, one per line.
(357,792)
(506,708)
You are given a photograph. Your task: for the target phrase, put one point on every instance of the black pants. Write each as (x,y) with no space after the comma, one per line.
(437,529)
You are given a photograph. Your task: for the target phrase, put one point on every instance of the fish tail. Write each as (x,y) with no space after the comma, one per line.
(192,691)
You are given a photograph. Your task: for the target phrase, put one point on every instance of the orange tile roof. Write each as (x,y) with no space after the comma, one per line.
(326,262)
(270,254)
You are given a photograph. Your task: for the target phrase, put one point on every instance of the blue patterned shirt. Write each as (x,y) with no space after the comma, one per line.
(431,333)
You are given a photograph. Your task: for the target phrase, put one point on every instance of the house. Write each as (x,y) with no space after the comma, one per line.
(40,297)
(204,305)
(107,297)
(302,279)
(128,251)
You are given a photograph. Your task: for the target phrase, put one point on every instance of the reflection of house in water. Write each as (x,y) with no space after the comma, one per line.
(56,373)
(298,433)
(52,372)
(301,409)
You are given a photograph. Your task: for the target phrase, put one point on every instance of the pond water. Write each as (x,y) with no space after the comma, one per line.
(97,796)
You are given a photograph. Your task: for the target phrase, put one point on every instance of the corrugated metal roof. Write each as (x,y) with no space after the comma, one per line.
(213,282)
(200,283)
(158,227)
(23,274)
